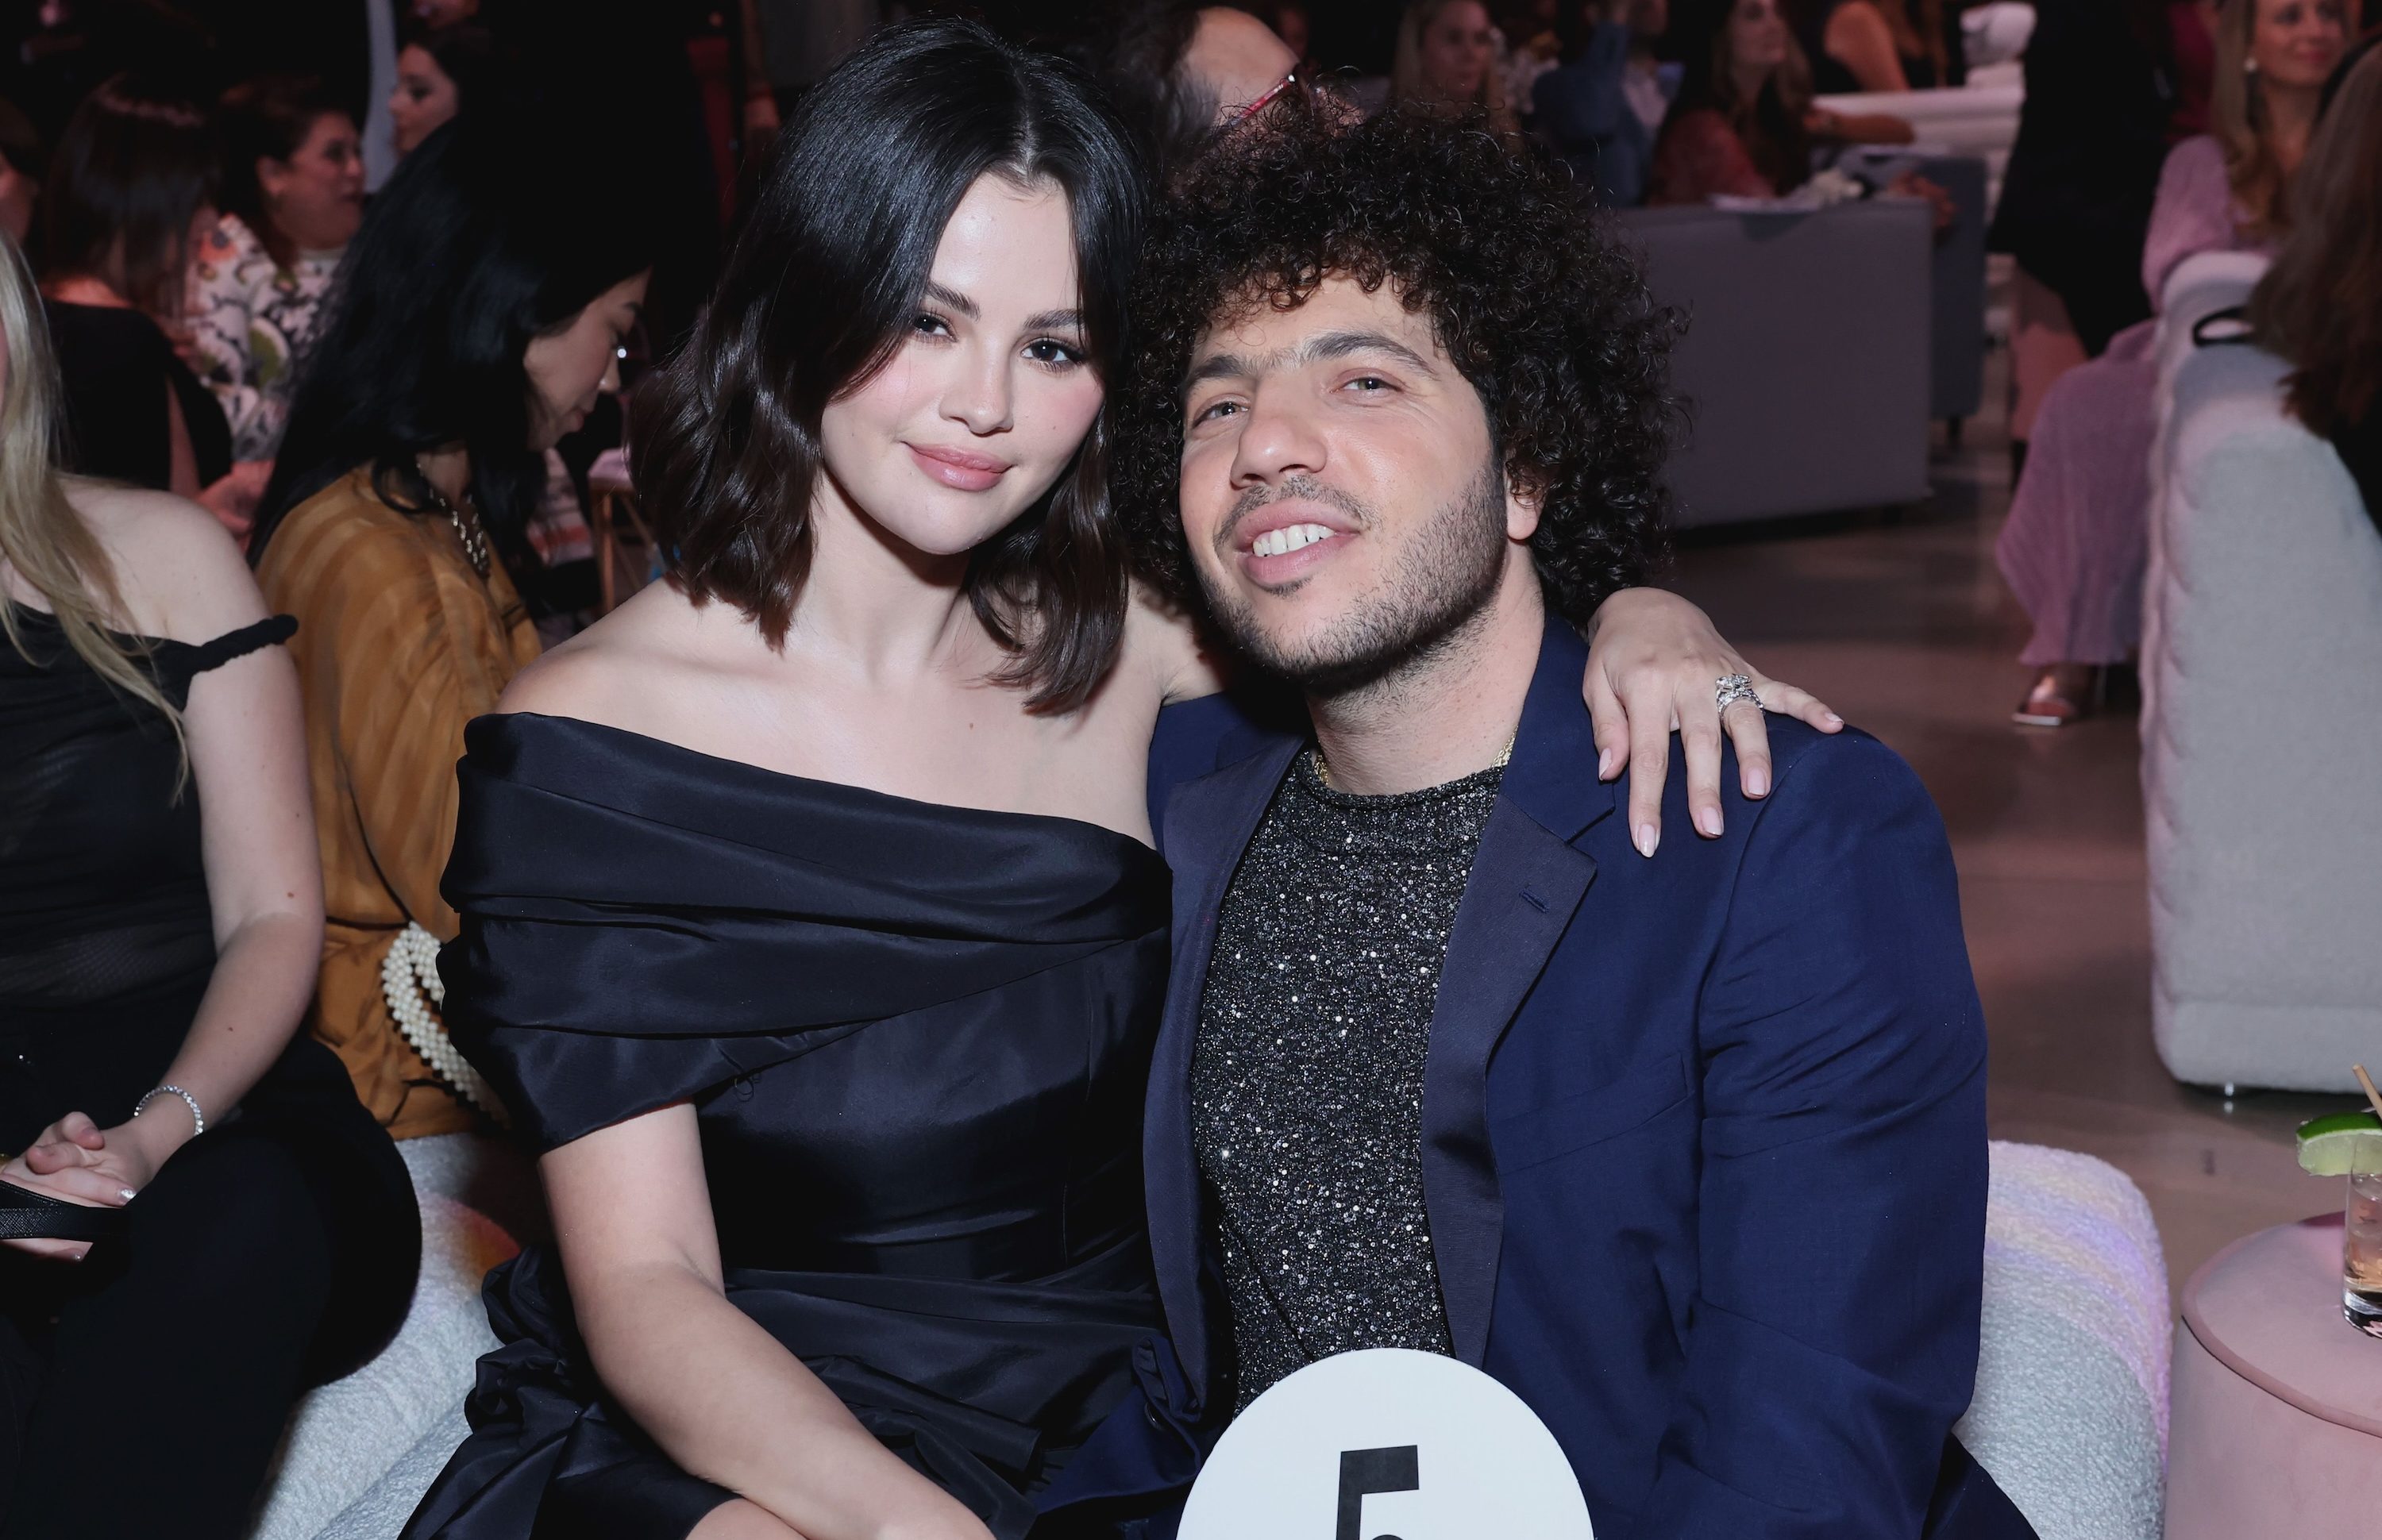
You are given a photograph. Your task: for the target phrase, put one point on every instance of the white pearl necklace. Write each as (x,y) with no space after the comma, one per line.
(409,982)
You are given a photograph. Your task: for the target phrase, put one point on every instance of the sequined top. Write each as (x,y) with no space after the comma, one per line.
(1307,1076)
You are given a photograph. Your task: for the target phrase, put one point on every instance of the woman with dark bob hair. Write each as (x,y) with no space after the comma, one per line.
(131,196)
(473,322)
(811,928)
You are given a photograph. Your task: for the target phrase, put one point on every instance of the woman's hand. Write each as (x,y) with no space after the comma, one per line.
(233,498)
(78,1161)
(1910,184)
(1654,664)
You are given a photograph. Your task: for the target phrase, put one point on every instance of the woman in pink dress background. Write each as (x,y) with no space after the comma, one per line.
(2077,542)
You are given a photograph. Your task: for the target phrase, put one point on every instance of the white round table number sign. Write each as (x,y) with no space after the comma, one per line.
(1387,1444)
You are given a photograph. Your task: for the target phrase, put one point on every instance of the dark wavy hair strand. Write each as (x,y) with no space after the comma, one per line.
(132,168)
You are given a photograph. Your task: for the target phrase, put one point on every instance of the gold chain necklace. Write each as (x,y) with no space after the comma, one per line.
(1323,769)
(474,538)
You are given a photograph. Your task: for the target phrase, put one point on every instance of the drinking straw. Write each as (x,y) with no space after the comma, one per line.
(2371,1095)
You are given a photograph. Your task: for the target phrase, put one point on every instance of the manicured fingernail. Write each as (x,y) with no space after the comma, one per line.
(1834,721)
(1757,783)
(1647,836)
(1708,820)
(126,1193)
(1604,765)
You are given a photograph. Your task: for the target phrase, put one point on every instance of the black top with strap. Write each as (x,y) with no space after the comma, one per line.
(112,363)
(107,945)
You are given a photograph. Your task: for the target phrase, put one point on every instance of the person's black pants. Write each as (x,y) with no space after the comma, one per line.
(144,1389)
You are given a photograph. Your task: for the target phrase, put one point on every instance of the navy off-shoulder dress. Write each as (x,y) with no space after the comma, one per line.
(917,1038)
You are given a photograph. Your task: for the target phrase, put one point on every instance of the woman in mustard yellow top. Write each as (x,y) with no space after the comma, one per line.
(476,317)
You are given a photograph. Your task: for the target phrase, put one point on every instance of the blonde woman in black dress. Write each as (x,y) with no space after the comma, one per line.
(200,1219)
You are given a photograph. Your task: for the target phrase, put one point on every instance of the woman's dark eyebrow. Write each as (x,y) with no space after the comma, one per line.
(1049,321)
(951,299)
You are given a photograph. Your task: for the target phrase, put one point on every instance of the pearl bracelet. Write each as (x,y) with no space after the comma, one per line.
(197,1118)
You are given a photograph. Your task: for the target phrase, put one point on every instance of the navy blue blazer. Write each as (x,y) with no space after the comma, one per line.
(1703,1135)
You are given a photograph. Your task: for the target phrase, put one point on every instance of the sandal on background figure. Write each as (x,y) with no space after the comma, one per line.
(2063,693)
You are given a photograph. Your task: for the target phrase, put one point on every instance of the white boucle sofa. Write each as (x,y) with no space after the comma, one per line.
(2262,722)
(362,1450)
(2070,1414)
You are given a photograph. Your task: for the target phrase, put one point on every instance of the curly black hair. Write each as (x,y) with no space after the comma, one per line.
(1548,320)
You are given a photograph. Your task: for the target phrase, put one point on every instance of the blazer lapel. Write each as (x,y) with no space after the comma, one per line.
(1209,825)
(1526,884)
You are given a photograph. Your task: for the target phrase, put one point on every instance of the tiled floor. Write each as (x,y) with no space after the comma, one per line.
(1906,628)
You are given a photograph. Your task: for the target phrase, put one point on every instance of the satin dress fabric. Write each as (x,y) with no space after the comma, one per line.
(917,1038)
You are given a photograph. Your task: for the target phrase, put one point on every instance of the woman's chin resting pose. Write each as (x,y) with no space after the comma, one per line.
(811,924)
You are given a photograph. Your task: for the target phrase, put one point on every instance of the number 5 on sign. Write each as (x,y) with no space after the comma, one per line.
(1364,1472)
(1387,1444)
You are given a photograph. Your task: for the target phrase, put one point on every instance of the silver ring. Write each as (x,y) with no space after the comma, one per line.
(1730,689)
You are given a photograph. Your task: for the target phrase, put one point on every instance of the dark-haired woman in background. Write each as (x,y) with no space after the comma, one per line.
(811,928)
(1875,46)
(293,193)
(1743,124)
(477,318)
(440,72)
(130,199)
(159,924)
(2320,305)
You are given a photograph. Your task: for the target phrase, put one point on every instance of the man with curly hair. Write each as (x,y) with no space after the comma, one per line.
(1685,1145)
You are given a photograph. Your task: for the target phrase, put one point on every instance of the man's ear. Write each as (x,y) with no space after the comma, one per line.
(1523,501)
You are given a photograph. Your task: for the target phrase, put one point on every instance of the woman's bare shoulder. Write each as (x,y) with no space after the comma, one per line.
(178,571)
(634,670)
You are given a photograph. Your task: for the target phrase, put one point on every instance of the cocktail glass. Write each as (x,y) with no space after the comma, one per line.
(2361,1239)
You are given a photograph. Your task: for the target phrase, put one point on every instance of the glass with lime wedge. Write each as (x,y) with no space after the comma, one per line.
(2350,1144)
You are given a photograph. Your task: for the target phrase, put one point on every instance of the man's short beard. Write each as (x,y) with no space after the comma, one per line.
(1441,585)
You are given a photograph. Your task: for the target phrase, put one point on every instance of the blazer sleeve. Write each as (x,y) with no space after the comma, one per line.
(1579,105)
(1833,1340)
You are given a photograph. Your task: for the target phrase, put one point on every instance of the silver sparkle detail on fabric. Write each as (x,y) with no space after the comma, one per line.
(1307,1076)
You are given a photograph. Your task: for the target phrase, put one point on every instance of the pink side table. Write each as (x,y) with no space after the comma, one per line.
(2276,1423)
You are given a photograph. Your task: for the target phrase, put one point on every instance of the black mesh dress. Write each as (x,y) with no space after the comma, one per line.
(294,1207)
